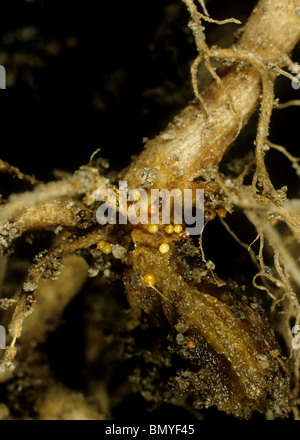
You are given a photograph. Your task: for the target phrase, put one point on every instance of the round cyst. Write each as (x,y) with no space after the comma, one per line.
(177,229)
(152,229)
(169,229)
(164,248)
(149,279)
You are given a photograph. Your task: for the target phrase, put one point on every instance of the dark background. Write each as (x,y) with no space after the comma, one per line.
(94,74)
(84,75)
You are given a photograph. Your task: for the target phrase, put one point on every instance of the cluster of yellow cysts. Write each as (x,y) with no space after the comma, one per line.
(169,229)
(176,228)
(164,248)
(104,246)
(148,278)
(221,212)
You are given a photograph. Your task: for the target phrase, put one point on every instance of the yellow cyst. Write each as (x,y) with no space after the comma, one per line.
(164,248)
(221,212)
(169,229)
(212,215)
(149,279)
(152,209)
(136,195)
(272,221)
(101,244)
(152,229)
(107,248)
(177,229)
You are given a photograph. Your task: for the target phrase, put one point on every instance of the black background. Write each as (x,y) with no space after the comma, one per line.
(90,95)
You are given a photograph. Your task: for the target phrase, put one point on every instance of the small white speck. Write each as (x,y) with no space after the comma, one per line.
(106,272)
(167,137)
(93,272)
(118,251)
(29,286)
